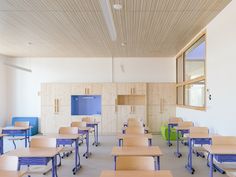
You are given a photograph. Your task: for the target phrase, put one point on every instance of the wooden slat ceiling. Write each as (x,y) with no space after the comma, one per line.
(76,28)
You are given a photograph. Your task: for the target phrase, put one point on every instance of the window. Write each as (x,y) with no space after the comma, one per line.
(190,76)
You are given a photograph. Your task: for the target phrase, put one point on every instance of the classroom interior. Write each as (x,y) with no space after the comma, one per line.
(117,88)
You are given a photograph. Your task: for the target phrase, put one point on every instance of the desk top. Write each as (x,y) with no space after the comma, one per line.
(94,123)
(34,152)
(162,173)
(16,128)
(60,136)
(85,128)
(121,135)
(220,149)
(201,135)
(11,173)
(183,127)
(136,151)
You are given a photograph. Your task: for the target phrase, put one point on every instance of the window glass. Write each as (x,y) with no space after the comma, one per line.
(195,60)
(195,94)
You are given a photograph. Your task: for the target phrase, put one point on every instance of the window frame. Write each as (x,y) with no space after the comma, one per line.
(192,81)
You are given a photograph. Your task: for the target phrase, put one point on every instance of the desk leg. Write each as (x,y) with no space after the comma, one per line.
(177,153)
(77,158)
(53,167)
(96,142)
(87,153)
(211,165)
(150,141)
(189,164)
(119,142)
(169,130)
(26,138)
(114,162)
(158,163)
(1,145)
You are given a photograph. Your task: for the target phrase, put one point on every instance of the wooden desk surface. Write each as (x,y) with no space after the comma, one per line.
(139,151)
(34,152)
(95,122)
(85,128)
(60,136)
(183,127)
(220,149)
(145,128)
(199,135)
(121,135)
(162,173)
(4,173)
(16,128)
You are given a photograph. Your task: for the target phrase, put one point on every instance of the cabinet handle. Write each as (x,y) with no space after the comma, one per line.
(57,105)
(88,91)
(85,91)
(133,90)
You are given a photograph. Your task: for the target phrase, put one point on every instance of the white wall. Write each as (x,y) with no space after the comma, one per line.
(3,92)
(220,116)
(24,86)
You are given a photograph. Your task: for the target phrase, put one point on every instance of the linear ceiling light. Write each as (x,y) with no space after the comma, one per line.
(18,67)
(107,14)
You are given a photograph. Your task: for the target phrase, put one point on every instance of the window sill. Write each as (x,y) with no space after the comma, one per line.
(192,107)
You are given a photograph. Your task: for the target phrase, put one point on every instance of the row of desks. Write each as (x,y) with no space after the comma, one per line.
(41,156)
(222,153)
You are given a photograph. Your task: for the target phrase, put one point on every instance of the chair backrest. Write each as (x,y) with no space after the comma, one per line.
(88,119)
(200,130)
(135,163)
(135,141)
(175,120)
(68,130)
(78,124)
(186,124)
(43,142)
(21,124)
(135,124)
(134,130)
(224,140)
(9,163)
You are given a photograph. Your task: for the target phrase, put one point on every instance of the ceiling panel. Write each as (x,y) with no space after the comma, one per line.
(76,28)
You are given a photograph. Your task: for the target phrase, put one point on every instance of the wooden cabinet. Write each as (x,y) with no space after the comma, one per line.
(161,104)
(86,89)
(131,89)
(153,103)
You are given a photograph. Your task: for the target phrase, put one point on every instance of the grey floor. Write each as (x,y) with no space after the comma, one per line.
(101,159)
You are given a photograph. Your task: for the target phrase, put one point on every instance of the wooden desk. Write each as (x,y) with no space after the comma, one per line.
(95,126)
(183,130)
(196,138)
(222,153)
(12,131)
(1,143)
(68,139)
(121,136)
(153,151)
(161,173)
(5,173)
(37,156)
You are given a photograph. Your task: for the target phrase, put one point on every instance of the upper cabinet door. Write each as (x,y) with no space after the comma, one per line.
(131,88)
(161,93)
(51,92)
